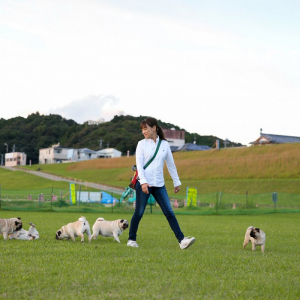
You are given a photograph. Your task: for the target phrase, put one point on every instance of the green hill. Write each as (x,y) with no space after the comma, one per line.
(39,131)
(233,170)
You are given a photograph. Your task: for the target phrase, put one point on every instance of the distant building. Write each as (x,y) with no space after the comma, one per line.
(267,139)
(86,154)
(176,138)
(57,154)
(191,147)
(108,153)
(97,122)
(15,159)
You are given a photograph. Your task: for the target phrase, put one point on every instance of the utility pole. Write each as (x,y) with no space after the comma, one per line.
(101,141)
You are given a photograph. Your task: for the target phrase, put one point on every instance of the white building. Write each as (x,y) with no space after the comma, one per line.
(15,159)
(108,153)
(57,154)
(96,122)
(86,154)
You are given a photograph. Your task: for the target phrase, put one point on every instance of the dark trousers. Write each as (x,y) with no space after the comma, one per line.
(161,196)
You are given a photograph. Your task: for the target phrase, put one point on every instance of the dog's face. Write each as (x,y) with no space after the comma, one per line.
(60,235)
(17,224)
(255,232)
(123,224)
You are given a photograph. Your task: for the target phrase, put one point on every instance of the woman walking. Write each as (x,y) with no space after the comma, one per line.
(151,180)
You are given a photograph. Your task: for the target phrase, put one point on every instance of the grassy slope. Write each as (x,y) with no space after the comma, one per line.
(17,180)
(253,169)
(215,267)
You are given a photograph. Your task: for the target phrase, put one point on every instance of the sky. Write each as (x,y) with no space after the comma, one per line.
(212,67)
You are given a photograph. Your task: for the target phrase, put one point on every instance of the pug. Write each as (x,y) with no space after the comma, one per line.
(72,230)
(8,226)
(109,228)
(257,238)
(22,234)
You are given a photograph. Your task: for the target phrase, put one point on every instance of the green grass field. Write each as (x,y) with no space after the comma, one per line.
(17,180)
(215,267)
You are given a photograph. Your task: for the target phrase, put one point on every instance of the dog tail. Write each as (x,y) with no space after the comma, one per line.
(82,219)
(100,219)
(31,224)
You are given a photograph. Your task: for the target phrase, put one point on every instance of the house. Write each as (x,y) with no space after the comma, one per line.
(57,154)
(108,153)
(15,159)
(191,147)
(176,138)
(267,139)
(86,154)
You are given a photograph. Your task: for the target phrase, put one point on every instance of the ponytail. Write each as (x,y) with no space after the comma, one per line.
(153,122)
(160,133)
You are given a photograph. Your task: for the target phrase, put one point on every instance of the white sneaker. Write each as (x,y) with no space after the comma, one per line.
(186,242)
(131,243)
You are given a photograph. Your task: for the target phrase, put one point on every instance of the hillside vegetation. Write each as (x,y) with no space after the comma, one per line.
(38,131)
(235,170)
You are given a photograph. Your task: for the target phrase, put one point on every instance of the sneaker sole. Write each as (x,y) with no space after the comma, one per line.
(190,244)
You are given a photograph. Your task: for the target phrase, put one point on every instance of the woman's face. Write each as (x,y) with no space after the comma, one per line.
(149,132)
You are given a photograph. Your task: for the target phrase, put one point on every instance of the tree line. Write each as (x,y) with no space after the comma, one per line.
(38,131)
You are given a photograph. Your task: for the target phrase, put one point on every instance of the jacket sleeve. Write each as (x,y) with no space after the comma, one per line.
(171,167)
(139,156)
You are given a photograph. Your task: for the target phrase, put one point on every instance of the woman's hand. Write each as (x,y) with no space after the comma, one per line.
(176,189)
(145,188)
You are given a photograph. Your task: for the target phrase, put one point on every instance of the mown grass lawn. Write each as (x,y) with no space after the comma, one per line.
(215,267)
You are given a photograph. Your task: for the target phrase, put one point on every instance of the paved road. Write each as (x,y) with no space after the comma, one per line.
(97,186)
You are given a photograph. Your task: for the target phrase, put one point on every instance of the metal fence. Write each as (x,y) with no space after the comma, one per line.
(53,199)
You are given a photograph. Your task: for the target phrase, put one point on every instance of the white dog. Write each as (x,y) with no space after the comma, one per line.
(109,228)
(31,234)
(256,236)
(75,229)
(8,226)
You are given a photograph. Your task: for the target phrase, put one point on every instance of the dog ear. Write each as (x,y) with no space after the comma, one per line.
(16,223)
(257,229)
(18,218)
(122,221)
(58,232)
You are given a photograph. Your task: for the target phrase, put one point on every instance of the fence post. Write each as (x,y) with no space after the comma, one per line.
(51,198)
(220,199)
(112,202)
(79,195)
(274,199)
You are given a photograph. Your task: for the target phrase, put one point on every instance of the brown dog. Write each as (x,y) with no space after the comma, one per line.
(109,228)
(8,226)
(72,230)
(256,236)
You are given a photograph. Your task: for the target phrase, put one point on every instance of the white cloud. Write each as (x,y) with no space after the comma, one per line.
(88,108)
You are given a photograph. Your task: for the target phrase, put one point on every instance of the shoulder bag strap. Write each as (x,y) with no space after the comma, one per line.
(151,160)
